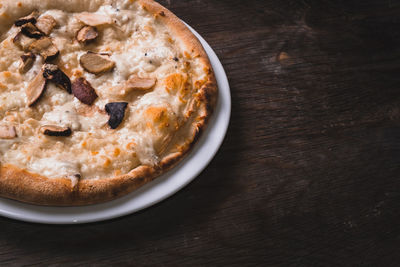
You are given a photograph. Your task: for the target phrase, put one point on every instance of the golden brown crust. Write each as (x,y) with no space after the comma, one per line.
(32,188)
(24,186)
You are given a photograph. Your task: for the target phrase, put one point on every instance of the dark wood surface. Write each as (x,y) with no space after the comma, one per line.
(309,173)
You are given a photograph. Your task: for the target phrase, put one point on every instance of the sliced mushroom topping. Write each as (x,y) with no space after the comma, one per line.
(87,34)
(30,30)
(116,110)
(140,85)
(26,62)
(7,132)
(96,63)
(35,89)
(45,24)
(137,83)
(45,47)
(84,91)
(53,73)
(31,18)
(23,41)
(53,130)
(92,19)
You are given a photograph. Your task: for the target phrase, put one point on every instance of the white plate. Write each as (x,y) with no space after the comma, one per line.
(151,193)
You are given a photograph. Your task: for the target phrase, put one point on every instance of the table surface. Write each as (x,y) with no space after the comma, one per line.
(309,172)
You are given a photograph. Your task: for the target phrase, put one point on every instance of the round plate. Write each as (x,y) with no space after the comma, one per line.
(153,192)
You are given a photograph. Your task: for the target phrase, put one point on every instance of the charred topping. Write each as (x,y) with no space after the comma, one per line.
(26,62)
(45,24)
(31,18)
(45,47)
(7,132)
(52,130)
(87,34)
(96,63)
(35,89)
(53,73)
(84,91)
(116,110)
(31,31)
(176,59)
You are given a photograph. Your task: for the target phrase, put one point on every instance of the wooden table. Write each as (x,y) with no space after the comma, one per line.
(309,172)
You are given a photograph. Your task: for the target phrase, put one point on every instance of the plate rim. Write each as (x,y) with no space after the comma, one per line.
(98,212)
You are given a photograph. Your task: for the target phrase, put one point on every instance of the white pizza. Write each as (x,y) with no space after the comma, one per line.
(96,97)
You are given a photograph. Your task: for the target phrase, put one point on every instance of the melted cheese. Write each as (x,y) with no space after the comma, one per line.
(139,46)
(46,166)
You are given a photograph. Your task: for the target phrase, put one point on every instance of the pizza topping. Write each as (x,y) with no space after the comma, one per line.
(52,130)
(92,19)
(7,132)
(26,62)
(22,41)
(96,63)
(87,34)
(45,47)
(31,18)
(116,110)
(35,89)
(137,83)
(45,24)
(53,73)
(131,41)
(84,91)
(31,31)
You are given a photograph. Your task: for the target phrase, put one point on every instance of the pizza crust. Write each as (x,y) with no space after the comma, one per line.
(22,185)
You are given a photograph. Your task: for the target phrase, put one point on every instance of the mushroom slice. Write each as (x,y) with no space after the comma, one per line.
(26,62)
(96,63)
(92,19)
(137,83)
(30,30)
(36,88)
(53,73)
(53,130)
(31,18)
(84,91)
(7,132)
(45,24)
(23,41)
(116,110)
(87,34)
(45,47)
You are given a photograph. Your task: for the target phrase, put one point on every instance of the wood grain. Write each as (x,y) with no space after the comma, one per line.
(309,173)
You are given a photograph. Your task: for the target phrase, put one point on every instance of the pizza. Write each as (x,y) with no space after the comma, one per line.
(97,97)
